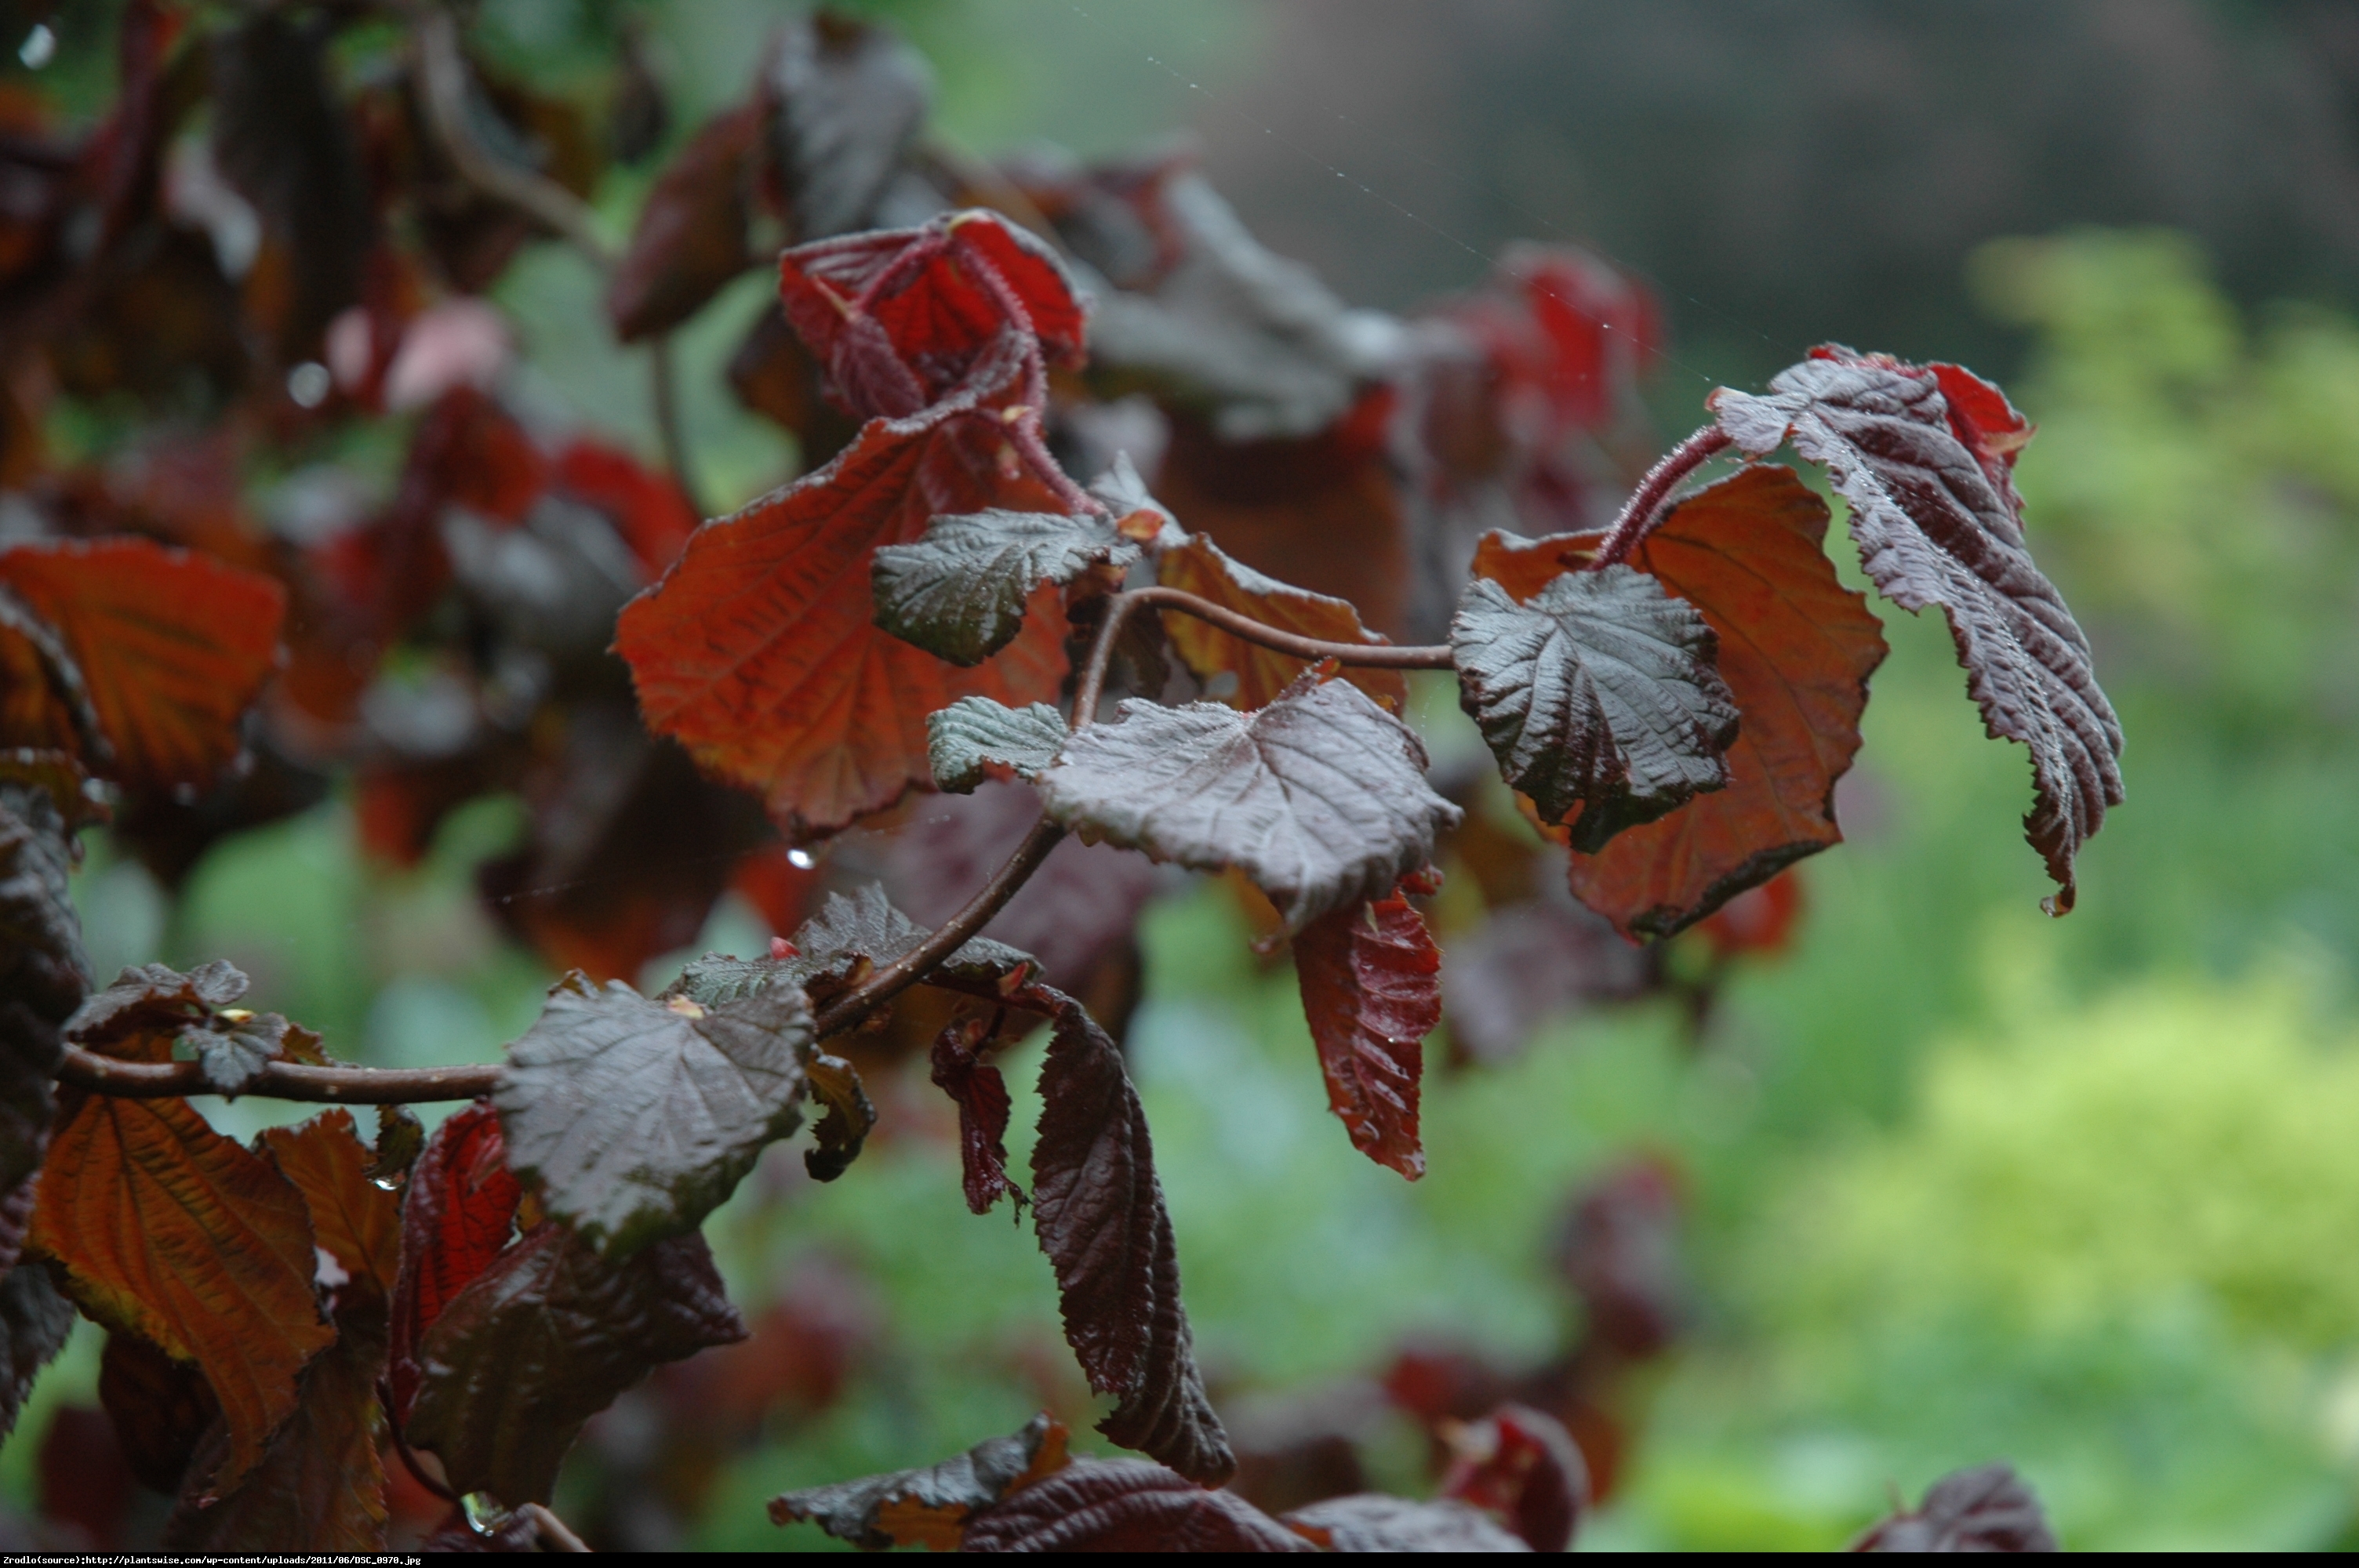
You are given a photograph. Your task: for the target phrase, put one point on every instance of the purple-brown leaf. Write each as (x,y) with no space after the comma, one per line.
(1371,982)
(1924,456)
(1984,1509)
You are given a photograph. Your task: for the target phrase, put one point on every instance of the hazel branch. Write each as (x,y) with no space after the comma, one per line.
(281,1080)
(1642,511)
(1366,655)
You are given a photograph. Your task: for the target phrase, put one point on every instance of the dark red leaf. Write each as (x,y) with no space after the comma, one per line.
(1321,512)
(1619,1252)
(354,1220)
(1124,1505)
(172,647)
(1937,521)
(168,1230)
(960,1072)
(772,374)
(1761,921)
(1099,1212)
(851,97)
(544,1339)
(457,1214)
(928,1507)
(1520,1466)
(160,1407)
(1796,648)
(1984,1509)
(320,1486)
(1372,1521)
(1370,982)
(647,508)
(1078,909)
(1530,961)
(902,316)
(759,651)
(692,234)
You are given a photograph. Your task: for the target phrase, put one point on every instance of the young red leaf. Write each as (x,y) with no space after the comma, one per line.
(1098,1210)
(631,1120)
(1938,522)
(927,1507)
(1370,982)
(457,1212)
(1984,1509)
(172,646)
(1796,648)
(692,236)
(1124,1505)
(851,97)
(901,317)
(1599,698)
(647,508)
(960,1072)
(1520,1466)
(544,1339)
(1320,797)
(169,1230)
(320,1486)
(354,1220)
(759,653)
(1199,567)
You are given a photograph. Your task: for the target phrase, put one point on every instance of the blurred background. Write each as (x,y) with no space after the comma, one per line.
(1913,1178)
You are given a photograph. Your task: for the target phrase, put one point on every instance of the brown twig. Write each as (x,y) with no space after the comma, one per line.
(442,77)
(1366,656)
(281,1080)
(663,391)
(1640,514)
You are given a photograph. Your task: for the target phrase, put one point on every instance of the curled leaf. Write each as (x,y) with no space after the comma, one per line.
(1599,696)
(928,1507)
(960,1072)
(692,236)
(975,738)
(1320,797)
(1987,1508)
(1123,1504)
(458,1212)
(543,1339)
(1099,1212)
(1924,457)
(1371,985)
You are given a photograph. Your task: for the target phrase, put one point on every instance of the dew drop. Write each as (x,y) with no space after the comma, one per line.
(800,860)
(39,47)
(308,383)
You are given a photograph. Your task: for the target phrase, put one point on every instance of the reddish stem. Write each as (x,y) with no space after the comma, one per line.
(1643,510)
